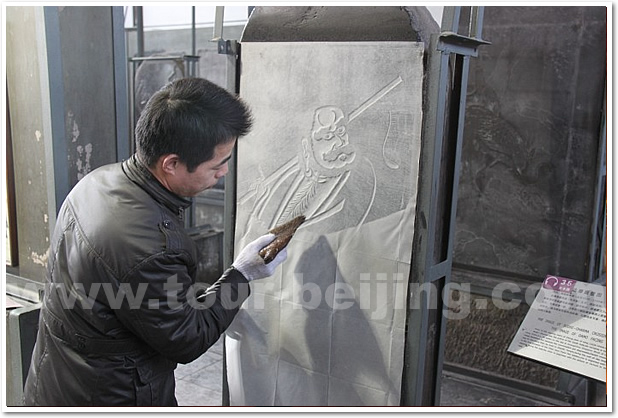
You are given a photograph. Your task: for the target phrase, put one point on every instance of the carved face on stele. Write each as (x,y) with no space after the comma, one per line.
(329,138)
(173,173)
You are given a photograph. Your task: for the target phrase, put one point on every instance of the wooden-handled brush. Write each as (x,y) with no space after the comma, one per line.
(284,233)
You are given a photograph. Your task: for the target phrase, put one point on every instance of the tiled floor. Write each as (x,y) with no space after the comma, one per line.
(199,383)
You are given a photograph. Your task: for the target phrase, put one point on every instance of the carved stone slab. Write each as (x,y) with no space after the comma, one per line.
(336,139)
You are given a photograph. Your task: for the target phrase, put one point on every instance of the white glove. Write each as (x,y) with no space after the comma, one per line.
(251,265)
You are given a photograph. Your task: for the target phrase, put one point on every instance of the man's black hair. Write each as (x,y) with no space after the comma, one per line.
(189,117)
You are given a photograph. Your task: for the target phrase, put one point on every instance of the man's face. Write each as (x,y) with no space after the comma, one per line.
(205,175)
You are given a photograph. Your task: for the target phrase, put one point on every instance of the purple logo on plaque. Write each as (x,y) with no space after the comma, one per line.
(560,284)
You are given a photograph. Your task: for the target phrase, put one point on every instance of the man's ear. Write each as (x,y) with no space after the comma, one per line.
(169,163)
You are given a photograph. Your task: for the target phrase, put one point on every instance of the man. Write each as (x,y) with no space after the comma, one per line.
(119,310)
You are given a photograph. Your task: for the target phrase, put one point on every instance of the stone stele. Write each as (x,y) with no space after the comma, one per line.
(336,138)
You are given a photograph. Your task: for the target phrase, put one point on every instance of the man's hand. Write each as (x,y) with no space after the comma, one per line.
(251,265)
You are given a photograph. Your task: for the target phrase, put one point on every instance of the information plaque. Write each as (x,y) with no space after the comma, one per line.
(566,327)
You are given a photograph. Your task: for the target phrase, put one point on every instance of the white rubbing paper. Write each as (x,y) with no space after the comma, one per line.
(337,138)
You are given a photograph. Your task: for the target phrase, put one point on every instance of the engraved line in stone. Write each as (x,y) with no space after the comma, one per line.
(333,193)
(389,163)
(323,215)
(284,175)
(373,193)
(370,102)
(298,203)
(274,176)
(298,199)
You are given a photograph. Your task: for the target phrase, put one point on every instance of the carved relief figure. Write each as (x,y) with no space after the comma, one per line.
(321,170)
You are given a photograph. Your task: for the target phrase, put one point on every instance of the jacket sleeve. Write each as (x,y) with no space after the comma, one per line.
(164,312)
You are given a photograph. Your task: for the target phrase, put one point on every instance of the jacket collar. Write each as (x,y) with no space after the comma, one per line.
(138,173)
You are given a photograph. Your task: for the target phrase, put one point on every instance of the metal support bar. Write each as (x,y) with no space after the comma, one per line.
(138,15)
(61,184)
(123,143)
(459,92)
(458,44)
(230,48)
(447,75)
(193,37)
(450,19)
(596,250)
(227,47)
(229,229)
(218,27)
(476,22)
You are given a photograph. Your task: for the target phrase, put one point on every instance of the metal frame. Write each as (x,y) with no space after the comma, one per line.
(587,390)
(60,183)
(228,47)
(123,142)
(229,229)
(189,67)
(446,78)
(448,63)
(12,256)
(444,111)
(190,63)
(231,48)
(229,199)
(598,232)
